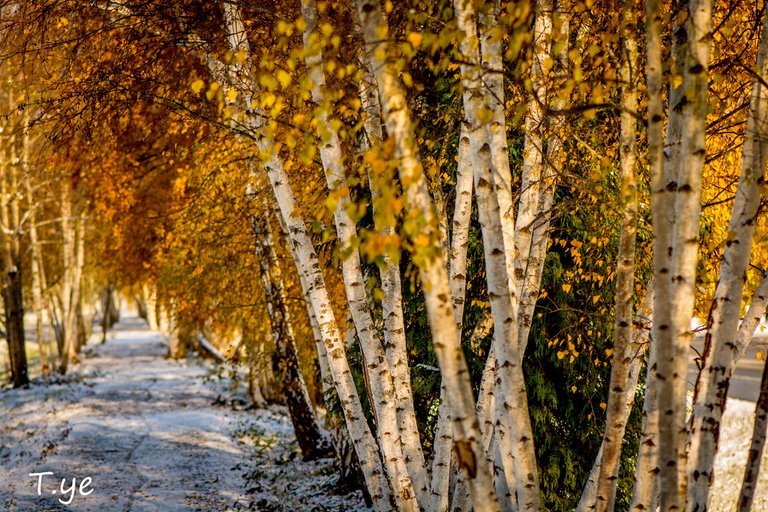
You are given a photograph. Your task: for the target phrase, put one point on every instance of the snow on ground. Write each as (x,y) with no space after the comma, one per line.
(735,438)
(160,435)
(153,435)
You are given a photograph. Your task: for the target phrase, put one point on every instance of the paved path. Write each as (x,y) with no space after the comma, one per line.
(153,435)
(745,383)
(143,428)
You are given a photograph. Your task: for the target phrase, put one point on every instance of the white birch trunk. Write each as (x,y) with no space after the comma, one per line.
(377,367)
(363,440)
(639,353)
(662,172)
(392,311)
(513,426)
(432,267)
(441,463)
(533,148)
(620,389)
(677,298)
(721,351)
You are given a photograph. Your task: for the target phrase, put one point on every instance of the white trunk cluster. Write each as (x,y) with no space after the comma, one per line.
(721,346)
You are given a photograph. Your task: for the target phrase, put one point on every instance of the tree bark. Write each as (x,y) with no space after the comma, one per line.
(305,426)
(376,364)
(620,390)
(12,286)
(720,349)
(433,272)
(392,304)
(675,276)
(513,426)
(363,441)
(640,354)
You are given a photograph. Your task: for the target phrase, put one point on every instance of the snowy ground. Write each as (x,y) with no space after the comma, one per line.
(160,435)
(153,435)
(735,438)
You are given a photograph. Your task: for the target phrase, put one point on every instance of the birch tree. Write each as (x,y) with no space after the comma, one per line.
(432,269)
(377,365)
(619,390)
(363,440)
(721,349)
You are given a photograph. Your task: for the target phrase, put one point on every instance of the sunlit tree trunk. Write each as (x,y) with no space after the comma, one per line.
(363,440)
(662,171)
(620,388)
(376,364)
(432,267)
(392,303)
(639,356)
(457,270)
(513,423)
(294,390)
(529,280)
(675,275)
(720,349)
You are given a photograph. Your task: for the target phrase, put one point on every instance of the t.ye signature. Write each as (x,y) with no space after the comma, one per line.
(67,492)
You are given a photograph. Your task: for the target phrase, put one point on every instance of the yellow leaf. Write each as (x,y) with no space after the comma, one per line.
(759,355)
(603,405)
(566,288)
(415,39)
(197,86)
(573,389)
(609,352)
(283,77)
(231,95)
(595,299)
(326,29)
(561,354)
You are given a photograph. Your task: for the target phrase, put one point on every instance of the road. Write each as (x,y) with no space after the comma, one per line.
(745,383)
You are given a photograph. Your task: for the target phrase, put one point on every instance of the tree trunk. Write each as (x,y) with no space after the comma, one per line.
(639,355)
(14,314)
(462,212)
(675,276)
(13,285)
(620,391)
(305,425)
(376,364)
(513,426)
(720,349)
(433,272)
(363,440)
(392,304)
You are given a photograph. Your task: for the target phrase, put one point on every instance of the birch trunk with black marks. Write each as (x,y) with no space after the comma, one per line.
(513,426)
(619,390)
(661,170)
(640,354)
(720,347)
(676,275)
(308,434)
(392,305)
(363,441)
(533,150)
(376,364)
(432,267)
